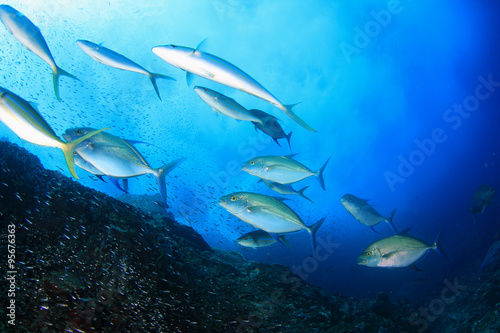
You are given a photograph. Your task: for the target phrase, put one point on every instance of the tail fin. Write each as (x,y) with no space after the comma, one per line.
(312,231)
(437,246)
(319,174)
(160,174)
(68,147)
(389,218)
(288,136)
(154,77)
(56,72)
(288,110)
(301,193)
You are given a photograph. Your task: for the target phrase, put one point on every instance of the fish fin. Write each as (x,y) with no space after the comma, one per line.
(277,238)
(312,231)
(265,119)
(288,136)
(115,182)
(285,241)
(125,184)
(100,177)
(373,228)
(69,147)
(437,246)
(415,268)
(200,46)
(301,193)
(276,140)
(189,78)
(404,232)
(281,198)
(260,180)
(160,174)
(56,72)
(389,218)
(389,254)
(288,110)
(291,156)
(319,174)
(154,77)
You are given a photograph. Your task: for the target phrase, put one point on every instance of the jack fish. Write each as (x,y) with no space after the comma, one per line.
(30,36)
(29,125)
(268,214)
(270,126)
(362,211)
(111,58)
(481,198)
(259,238)
(219,70)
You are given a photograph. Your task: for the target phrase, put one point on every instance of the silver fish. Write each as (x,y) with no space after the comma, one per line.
(282,169)
(118,158)
(268,214)
(22,118)
(30,36)
(219,70)
(111,58)
(259,238)
(481,198)
(270,126)
(286,189)
(82,164)
(362,211)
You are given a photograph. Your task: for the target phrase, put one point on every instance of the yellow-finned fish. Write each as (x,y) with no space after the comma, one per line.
(111,58)
(213,68)
(29,125)
(30,36)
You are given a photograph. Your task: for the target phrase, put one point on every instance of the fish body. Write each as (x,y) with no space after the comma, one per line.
(30,36)
(270,126)
(118,158)
(266,213)
(82,164)
(111,58)
(395,251)
(219,70)
(362,211)
(482,197)
(22,118)
(225,105)
(282,169)
(259,238)
(492,254)
(286,189)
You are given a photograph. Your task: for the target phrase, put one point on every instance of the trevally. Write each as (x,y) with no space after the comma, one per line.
(362,211)
(286,189)
(282,169)
(225,105)
(111,58)
(213,68)
(268,214)
(29,125)
(481,198)
(82,164)
(270,126)
(118,158)
(397,251)
(30,36)
(259,238)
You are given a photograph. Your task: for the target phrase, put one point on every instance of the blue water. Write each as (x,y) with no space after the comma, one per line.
(375,79)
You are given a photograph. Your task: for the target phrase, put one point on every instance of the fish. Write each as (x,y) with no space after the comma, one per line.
(270,126)
(259,238)
(118,158)
(398,251)
(211,67)
(111,58)
(30,36)
(225,105)
(286,189)
(492,254)
(482,197)
(268,214)
(24,120)
(83,164)
(362,211)
(282,169)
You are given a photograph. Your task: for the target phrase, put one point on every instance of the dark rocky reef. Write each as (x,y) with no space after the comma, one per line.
(87,262)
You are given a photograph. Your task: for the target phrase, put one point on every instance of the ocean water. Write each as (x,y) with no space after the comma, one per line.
(403,94)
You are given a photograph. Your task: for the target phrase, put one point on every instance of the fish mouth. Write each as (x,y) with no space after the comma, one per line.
(362,261)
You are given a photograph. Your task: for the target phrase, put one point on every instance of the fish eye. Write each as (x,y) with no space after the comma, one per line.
(233,198)
(252,162)
(368,254)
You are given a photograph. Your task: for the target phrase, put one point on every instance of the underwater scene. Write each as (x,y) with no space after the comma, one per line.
(249,166)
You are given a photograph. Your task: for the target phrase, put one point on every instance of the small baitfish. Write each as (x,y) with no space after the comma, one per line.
(30,36)
(268,214)
(111,58)
(282,169)
(22,118)
(362,211)
(213,68)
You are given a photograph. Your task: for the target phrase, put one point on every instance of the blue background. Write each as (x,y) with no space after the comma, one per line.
(371,97)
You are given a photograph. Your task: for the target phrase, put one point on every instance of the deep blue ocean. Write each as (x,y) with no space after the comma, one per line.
(404,96)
